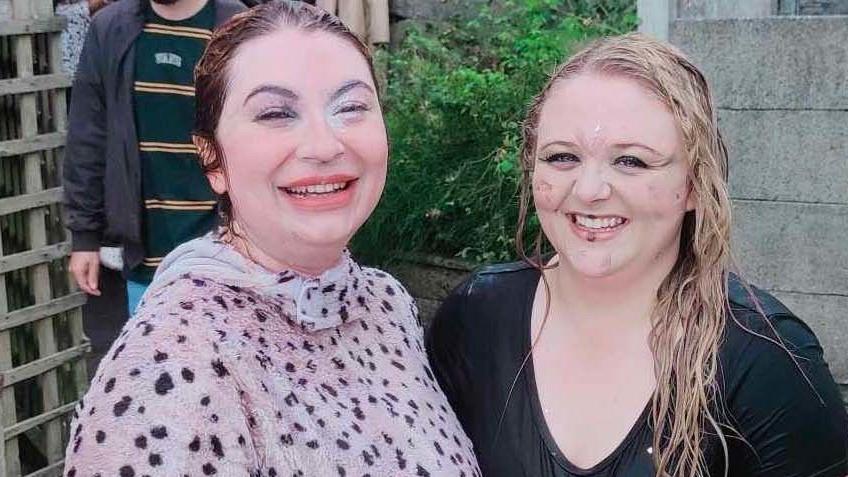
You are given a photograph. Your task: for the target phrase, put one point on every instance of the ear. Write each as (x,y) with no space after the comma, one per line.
(207,156)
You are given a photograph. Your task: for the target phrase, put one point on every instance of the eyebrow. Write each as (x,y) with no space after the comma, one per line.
(623,145)
(627,145)
(272,89)
(559,143)
(287,93)
(348,86)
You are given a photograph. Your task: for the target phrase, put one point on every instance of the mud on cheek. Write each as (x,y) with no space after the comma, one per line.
(547,196)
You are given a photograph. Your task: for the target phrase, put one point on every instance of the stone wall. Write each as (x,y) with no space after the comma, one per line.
(818,7)
(780,84)
(429,280)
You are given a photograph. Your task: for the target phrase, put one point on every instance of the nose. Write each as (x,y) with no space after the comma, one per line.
(591,185)
(320,142)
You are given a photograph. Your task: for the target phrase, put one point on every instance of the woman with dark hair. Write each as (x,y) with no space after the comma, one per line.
(632,351)
(264,349)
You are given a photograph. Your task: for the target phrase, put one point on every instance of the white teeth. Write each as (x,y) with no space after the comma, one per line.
(598,223)
(317,188)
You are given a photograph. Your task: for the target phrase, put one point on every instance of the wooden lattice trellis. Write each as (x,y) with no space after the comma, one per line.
(41,336)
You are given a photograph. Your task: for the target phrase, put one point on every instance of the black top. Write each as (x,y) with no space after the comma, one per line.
(481,335)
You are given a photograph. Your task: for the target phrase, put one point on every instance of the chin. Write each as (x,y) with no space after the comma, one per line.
(332,235)
(591,264)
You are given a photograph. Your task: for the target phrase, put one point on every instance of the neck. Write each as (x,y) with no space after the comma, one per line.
(620,299)
(179,10)
(309,261)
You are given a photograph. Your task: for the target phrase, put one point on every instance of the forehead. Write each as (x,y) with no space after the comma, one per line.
(298,59)
(613,107)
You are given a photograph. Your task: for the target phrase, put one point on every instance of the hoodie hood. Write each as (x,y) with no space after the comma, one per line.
(337,296)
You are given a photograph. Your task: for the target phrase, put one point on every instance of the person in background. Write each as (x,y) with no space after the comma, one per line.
(263,348)
(632,350)
(130,173)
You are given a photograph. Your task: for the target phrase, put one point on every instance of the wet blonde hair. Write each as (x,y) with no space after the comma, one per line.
(689,317)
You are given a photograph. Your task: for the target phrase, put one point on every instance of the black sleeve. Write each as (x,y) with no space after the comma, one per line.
(85,156)
(444,341)
(789,411)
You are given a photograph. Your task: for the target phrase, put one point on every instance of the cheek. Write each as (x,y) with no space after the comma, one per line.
(251,153)
(548,194)
(664,198)
(251,171)
(370,146)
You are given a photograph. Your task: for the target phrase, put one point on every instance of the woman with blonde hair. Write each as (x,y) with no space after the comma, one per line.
(632,350)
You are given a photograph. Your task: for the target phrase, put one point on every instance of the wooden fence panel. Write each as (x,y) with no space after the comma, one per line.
(42,344)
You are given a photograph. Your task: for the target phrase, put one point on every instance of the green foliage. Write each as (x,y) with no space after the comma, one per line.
(455,97)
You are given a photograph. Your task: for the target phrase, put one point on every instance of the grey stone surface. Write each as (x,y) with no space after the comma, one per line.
(5,10)
(823,7)
(427,310)
(787,155)
(725,8)
(435,9)
(771,63)
(655,17)
(828,317)
(792,247)
(427,281)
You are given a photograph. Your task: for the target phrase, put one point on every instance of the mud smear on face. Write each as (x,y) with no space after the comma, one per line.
(543,191)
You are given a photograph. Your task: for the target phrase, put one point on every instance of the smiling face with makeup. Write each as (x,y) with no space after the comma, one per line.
(610,177)
(304,145)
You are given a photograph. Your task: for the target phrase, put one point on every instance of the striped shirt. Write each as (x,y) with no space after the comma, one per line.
(178,203)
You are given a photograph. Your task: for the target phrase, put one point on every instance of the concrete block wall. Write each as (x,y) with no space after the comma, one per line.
(780,83)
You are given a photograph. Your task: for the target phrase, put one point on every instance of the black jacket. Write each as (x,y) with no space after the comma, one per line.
(102,174)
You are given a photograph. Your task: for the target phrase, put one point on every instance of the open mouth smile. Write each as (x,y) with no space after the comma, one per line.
(318,189)
(593,227)
(321,193)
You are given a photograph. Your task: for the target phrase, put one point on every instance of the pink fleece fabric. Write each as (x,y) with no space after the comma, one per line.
(290,376)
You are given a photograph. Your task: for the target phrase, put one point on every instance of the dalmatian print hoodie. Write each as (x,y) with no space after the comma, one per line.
(229,369)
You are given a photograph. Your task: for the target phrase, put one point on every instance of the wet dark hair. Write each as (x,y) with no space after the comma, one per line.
(212,73)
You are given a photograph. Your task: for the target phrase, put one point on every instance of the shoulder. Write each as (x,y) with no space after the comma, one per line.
(174,307)
(759,321)
(116,13)
(202,305)
(767,347)
(491,295)
(777,386)
(384,282)
(389,290)
(168,328)
(500,284)
(492,280)
(227,8)
(114,22)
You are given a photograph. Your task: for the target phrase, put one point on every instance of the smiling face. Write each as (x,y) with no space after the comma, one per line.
(304,143)
(610,177)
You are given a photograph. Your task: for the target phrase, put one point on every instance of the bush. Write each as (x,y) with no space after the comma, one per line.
(455,96)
